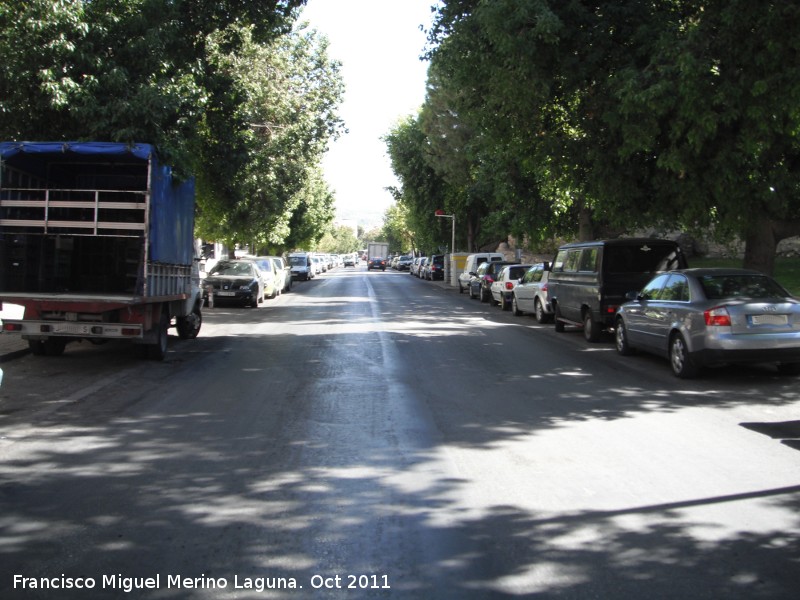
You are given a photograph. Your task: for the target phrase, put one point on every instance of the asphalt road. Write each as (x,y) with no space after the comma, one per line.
(370,435)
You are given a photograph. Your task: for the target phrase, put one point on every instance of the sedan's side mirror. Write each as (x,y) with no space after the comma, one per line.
(633,296)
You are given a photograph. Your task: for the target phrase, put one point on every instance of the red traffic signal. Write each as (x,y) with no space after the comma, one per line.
(439,213)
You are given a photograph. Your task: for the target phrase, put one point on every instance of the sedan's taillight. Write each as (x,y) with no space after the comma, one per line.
(717,316)
(509,285)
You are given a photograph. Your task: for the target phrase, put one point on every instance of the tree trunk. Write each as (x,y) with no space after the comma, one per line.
(585,226)
(760,245)
(471,235)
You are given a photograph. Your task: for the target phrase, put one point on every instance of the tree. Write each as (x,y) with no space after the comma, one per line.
(630,114)
(291,93)
(718,121)
(226,90)
(423,190)
(339,240)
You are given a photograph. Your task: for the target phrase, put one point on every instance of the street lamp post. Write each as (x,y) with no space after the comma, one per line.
(440,213)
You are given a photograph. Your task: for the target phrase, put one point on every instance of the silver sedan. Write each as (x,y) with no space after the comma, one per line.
(705,317)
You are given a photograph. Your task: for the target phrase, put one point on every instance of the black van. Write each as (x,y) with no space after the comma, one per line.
(589,280)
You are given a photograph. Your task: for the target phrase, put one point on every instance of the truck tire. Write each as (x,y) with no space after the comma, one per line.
(189,326)
(48,347)
(158,351)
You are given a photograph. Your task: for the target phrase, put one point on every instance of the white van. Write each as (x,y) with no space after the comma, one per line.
(472,264)
(302,266)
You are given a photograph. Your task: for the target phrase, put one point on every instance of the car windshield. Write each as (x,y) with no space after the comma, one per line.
(717,287)
(234,269)
(647,258)
(297,261)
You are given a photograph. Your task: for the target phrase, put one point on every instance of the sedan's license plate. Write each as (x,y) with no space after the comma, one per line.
(769,319)
(226,293)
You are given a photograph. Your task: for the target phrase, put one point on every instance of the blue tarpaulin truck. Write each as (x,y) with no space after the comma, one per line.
(96,243)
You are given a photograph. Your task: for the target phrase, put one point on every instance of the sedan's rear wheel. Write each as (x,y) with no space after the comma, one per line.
(541,316)
(621,338)
(679,359)
(515,307)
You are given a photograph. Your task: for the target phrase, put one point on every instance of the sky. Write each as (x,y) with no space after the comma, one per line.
(379,43)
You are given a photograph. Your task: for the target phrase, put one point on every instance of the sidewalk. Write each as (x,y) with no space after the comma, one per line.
(11,344)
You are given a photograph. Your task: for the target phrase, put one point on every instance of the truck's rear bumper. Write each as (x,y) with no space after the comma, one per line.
(39,330)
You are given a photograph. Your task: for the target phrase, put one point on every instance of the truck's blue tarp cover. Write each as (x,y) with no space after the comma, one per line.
(171,203)
(143,151)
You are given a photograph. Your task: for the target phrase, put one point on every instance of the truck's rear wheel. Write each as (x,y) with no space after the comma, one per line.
(158,351)
(48,347)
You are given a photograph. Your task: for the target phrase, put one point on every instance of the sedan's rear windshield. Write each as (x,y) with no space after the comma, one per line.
(717,287)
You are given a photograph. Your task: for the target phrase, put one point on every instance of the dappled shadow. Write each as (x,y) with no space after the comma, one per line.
(223,461)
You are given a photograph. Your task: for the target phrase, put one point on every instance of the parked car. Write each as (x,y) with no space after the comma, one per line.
(283,273)
(237,281)
(418,267)
(589,280)
(481,283)
(376,262)
(404,263)
(272,280)
(302,266)
(471,265)
(704,317)
(434,267)
(502,288)
(530,294)
(349,260)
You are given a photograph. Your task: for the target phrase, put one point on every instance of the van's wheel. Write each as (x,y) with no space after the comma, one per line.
(158,351)
(189,326)
(591,328)
(560,328)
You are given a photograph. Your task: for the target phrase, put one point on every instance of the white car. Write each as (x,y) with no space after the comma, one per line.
(530,294)
(268,275)
(502,288)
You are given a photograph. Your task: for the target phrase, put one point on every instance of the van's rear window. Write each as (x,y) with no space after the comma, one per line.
(647,258)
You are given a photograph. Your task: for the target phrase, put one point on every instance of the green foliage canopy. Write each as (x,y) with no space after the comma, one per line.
(227,90)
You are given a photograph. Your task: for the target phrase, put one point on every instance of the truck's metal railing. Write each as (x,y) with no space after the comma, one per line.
(168,280)
(78,212)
